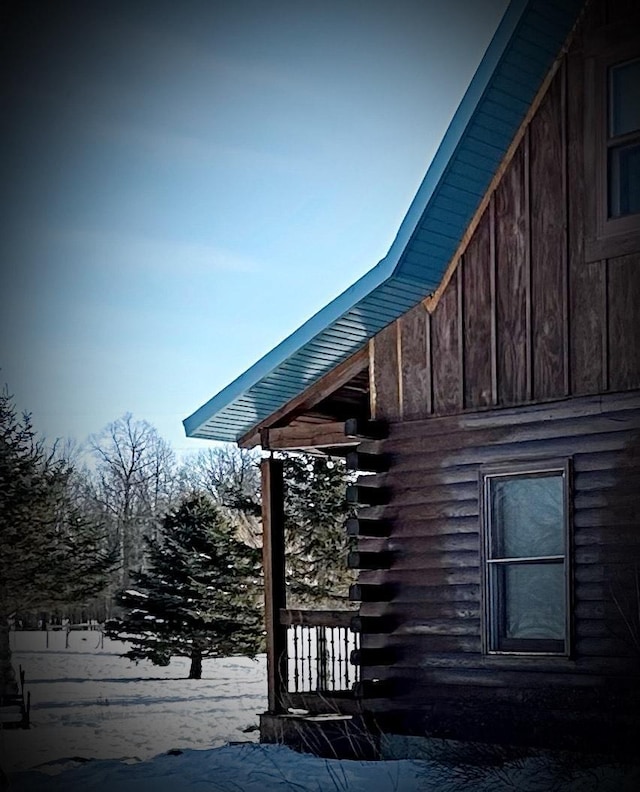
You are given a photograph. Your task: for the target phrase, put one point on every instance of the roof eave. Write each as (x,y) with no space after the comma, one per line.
(406,275)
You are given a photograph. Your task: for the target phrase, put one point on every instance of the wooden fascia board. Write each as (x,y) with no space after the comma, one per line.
(431,302)
(310,397)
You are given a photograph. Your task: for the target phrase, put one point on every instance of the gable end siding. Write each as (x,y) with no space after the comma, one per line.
(526,318)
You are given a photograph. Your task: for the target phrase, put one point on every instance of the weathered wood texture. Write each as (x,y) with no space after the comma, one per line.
(415,368)
(447,365)
(478,331)
(524,317)
(435,572)
(384,373)
(271,471)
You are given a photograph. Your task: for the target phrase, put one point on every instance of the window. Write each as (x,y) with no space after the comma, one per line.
(623,139)
(612,143)
(526,558)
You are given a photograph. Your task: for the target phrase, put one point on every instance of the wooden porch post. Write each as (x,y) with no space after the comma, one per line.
(274,580)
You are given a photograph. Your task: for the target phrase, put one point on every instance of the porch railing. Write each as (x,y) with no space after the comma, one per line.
(319,647)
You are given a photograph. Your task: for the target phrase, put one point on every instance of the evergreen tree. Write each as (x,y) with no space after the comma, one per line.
(51,553)
(200,595)
(316,541)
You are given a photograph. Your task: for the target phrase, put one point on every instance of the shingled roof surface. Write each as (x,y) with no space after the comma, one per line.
(526,44)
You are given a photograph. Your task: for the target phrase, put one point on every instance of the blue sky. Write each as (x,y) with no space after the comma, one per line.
(184,184)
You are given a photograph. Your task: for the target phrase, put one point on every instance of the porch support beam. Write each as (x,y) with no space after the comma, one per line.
(307,436)
(274,581)
(314,394)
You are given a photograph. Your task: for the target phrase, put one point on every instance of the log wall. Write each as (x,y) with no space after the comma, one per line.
(435,573)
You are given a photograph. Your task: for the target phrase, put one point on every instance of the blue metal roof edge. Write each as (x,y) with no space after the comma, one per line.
(242,404)
(457,127)
(303,335)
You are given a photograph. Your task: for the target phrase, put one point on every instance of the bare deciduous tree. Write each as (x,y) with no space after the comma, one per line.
(230,476)
(134,483)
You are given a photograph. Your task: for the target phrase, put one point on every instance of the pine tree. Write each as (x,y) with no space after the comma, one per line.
(200,595)
(317,545)
(50,552)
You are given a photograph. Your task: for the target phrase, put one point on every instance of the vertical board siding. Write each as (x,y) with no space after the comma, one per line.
(624,322)
(477,312)
(415,367)
(548,244)
(386,381)
(435,540)
(587,306)
(445,330)
(512,287)
(524,317)
(621,10)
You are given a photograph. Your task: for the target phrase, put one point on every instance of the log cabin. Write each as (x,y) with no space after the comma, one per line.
(486,373)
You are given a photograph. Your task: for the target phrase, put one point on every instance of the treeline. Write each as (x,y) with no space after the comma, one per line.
(79,523)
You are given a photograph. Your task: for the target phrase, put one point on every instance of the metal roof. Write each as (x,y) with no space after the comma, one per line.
(510,74)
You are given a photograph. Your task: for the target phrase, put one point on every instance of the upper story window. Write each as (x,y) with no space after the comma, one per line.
(526,558)
(623,139)
(612,142)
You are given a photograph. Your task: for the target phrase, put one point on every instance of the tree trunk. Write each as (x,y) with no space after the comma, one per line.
(195,672)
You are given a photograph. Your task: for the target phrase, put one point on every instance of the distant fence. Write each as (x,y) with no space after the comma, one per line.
(47,629)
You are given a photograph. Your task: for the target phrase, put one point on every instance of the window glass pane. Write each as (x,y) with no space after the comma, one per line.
(527,516)
(624,180)
(532,601)
(624,103)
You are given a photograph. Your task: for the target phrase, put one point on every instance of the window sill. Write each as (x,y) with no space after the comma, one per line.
(606,247)
(508,660)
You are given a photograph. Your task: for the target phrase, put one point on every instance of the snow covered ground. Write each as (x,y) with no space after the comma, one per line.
(101,723)
(87,701)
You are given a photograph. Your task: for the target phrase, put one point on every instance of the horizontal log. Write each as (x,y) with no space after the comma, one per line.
(359,559)
(367,495)
(432,579)
(468,626)
(428,594)
(409,556)
(418,609)
(515,680)
(598,647)
(316,618)
(311,396)
(373,688)
(372,463)
(439,643)
(488,449)
(374,657)
(441,512)
(414,523)
(361,526)
(609,534)
(434,544)
(373,624)
(615,479)
(366,430)
(609,554)
(512,418)
(371,592)
(602,517)
(307,436)
(421,657)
